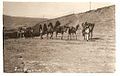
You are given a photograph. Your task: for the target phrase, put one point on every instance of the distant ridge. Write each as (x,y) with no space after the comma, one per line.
(14,22)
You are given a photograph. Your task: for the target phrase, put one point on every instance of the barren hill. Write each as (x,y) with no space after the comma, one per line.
(95,16)
(98,15)
(101,16)
(14,22)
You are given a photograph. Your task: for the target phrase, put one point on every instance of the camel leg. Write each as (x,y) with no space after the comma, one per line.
(23,35)
(91,35)
(31,34)
(51,36)
(47,35)
(41,36)
(19,35)
(84,36)
(76,36)
(56,35)
(62,36)
(68,36)
(72,36)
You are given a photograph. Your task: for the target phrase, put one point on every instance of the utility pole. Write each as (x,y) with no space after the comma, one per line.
(90,5)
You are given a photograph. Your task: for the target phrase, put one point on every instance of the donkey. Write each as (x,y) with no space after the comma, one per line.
(72,30)
(88,26)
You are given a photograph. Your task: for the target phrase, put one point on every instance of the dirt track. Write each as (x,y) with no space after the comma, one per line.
(65,55)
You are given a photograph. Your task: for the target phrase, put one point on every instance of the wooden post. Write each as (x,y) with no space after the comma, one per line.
(90,5)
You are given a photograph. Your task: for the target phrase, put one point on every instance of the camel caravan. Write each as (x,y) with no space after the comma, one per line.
(49,29)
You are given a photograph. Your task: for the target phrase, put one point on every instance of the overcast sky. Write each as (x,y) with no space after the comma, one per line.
(49,9)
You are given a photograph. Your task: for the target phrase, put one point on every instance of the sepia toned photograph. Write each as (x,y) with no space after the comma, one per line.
(58,37)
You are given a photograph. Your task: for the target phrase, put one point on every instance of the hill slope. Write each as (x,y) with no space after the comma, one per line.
(95,16)
(14,22)
(98,15)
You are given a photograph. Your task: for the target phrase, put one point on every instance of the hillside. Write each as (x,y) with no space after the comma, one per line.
(71,18)
(98,15)
(14,22)
(95,16)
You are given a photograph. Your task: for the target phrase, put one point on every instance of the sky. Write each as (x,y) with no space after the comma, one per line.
(48,9)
